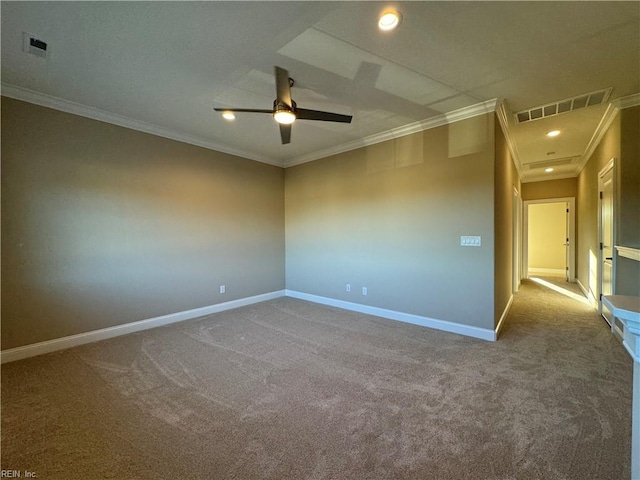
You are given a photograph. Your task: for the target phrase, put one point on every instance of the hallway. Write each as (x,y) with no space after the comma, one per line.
(551,303)
(562,286)
(572,348)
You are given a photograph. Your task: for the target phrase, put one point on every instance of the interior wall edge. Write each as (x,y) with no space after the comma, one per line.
(503,317)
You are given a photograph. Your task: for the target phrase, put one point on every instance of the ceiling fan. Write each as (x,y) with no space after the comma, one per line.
(285,111)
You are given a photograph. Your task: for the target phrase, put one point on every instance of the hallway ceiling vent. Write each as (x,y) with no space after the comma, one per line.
(559,162)
(563,106)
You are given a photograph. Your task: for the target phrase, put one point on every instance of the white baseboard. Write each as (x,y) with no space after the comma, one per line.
(49,346)
(504,316)
(468,330)
(27,351)
(556,272)
(588,294)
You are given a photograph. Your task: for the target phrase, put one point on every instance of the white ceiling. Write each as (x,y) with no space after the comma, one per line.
(163,66)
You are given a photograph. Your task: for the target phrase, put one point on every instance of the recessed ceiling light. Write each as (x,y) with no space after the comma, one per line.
(553,133)
(548,169)
(389,20)
(228,115)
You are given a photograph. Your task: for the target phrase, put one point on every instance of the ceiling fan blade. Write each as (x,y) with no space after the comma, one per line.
(283,89)
(285,133)
(249,110)
(304,114)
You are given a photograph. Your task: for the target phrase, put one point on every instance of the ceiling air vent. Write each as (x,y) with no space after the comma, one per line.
(563,106)
(33,45)
(559,162)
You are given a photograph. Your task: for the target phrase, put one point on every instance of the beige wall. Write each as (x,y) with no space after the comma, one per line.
(566,187)
(619,142)
(587,207)
(506,180)
(628,228)
(103,225)
(390,216)
(629,175)
(547,231)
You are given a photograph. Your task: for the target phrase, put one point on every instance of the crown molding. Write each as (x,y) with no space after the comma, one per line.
(440,120)
(607,119)
(56,103)
(628,101)
(605,122)
(503,118)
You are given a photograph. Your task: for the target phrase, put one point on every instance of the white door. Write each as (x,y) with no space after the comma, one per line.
(606,226)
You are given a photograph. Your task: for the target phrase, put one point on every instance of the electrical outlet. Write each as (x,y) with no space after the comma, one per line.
(348,287)
(223,289)
(364,290)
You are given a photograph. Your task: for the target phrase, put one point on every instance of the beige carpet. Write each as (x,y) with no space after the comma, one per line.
(292,390)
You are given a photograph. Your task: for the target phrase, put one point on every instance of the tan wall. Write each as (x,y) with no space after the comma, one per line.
(628,228)
(103,225)
(506,180)
(546,236)
(620,142)
(390,216)
(587,207)
(629,175)
(566,187)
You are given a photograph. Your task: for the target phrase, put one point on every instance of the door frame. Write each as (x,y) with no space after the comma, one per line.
(517,241)
(571,273)
(610,166)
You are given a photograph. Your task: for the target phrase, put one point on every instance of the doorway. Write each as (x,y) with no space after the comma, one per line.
(549,238)
(606,236)
(516,275)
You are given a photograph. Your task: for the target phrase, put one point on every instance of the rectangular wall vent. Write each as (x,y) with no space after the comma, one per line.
(566,105)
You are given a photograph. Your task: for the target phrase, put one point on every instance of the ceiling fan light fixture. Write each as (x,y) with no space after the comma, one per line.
(388,20)
(284,116)
(228,115)
(285,110)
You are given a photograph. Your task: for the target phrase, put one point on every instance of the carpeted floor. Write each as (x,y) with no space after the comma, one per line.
(293,390)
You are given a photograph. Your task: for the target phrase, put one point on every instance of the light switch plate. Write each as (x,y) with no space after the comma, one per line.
(470,241)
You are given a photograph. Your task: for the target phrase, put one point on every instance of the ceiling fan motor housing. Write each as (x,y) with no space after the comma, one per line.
(279,106)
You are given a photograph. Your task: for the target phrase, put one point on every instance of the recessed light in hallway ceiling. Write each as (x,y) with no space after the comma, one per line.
(389,20)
